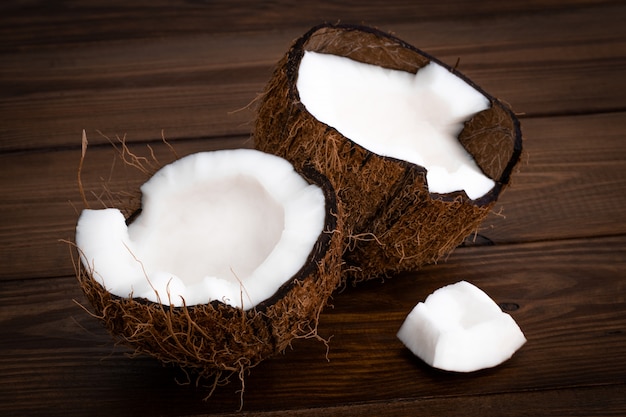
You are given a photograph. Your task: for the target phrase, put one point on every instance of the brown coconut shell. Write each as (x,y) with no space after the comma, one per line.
(393,223)
(215,338)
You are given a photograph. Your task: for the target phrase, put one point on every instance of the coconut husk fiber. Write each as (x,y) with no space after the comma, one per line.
(216,340)
(393,223)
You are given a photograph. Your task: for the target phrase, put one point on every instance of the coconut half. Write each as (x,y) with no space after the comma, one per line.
(417,153)
(232,255)
(460,328)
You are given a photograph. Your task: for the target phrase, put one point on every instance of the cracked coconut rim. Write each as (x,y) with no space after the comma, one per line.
(413,117)
(231,226)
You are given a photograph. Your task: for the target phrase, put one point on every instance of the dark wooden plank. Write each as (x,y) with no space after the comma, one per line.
(581,402)
(571,183)
(192,86)
(539,39)
(568,297)
(181,112)
(30,24)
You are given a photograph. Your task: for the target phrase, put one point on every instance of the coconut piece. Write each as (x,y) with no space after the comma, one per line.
(232,255)
(460,328)
(394,222)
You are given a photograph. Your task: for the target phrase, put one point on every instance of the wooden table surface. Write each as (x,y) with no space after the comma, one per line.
(553,253)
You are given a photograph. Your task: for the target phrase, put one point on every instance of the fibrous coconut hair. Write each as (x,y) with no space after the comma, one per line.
(393,223)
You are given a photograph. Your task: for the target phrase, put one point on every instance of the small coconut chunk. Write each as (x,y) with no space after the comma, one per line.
(230,225)
(412,117)
(460,328)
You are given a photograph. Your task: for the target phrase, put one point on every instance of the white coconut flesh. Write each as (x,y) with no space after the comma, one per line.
(412,117)
(460,328)
(230,225)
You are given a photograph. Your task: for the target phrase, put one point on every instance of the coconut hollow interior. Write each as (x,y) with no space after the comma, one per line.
(394,222)
(231,226)
(492,137)
(412,117)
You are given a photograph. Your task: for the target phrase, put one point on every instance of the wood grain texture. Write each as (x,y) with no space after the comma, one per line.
(38,23)
(560,293)
(576,169)
(553,253)
(196,86)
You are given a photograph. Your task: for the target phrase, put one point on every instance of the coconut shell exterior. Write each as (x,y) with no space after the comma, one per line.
(216,338)
(393,223)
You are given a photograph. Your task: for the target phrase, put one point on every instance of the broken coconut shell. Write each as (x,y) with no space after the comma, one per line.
(216,339)
(393,223)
